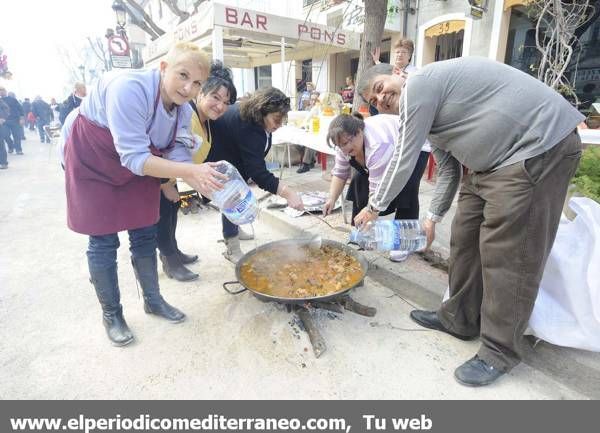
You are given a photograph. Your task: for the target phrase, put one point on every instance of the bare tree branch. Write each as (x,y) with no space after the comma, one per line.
(143,25)
(172,5)
(149,26)
(197,4)
(97,47)
(557,38)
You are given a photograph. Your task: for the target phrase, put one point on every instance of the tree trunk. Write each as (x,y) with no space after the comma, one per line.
(375,15)
(151,24)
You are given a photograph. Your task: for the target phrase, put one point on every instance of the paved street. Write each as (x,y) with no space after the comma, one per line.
(231,347)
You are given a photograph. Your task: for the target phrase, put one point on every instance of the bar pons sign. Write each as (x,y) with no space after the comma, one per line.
(254,21)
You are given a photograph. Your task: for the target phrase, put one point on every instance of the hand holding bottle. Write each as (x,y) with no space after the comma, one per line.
(364,216)
(205,179)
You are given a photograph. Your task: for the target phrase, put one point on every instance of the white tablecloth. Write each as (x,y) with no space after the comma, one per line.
(590,136)
(295,135)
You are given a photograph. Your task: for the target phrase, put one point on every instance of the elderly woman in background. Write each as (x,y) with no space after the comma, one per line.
(242,136)
(131,130)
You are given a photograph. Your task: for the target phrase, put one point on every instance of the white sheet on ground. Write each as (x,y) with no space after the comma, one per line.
(567,308)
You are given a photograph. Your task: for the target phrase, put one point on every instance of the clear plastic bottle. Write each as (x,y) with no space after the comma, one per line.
(388,235)
(235,200)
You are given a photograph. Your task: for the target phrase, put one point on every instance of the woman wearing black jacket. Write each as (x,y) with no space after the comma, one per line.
(242,136)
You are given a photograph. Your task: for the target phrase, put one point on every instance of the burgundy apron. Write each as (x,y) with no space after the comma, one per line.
(104,197)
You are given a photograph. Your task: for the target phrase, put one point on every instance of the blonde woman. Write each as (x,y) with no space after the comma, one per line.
(131,130)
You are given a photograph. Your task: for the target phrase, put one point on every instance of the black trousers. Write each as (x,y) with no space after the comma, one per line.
(14,130)
(167,225)
(405,205)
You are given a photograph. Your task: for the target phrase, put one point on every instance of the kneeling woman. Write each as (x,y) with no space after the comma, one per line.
(126,135)
(367,146)
(242,136)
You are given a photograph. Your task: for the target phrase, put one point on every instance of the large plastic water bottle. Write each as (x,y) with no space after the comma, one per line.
(235,200)
(388,235)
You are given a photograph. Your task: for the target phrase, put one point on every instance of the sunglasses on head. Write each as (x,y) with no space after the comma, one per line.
(278,100)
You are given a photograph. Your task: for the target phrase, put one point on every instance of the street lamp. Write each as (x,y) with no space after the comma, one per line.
(121,14)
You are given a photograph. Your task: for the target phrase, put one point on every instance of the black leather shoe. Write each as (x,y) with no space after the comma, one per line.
(187,259)
(174,269)
(476,372)
(430,320)
(303,168)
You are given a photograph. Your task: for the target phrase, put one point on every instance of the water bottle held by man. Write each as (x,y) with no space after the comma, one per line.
(388,235)
(235,200)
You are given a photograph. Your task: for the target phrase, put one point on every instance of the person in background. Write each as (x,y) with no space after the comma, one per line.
(216,94)
(304,97)
(132,130)
(14,122)
(348,92)
(27,112)
(4,135)
(518,139)
(43,113)
(402,52)
(367,146)
(242,136)
(308,154)
(73,101)
(21,125)
(55,111)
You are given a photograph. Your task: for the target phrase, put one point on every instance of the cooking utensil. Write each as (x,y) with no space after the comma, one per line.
(294,243)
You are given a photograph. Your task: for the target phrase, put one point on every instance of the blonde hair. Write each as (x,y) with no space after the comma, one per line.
(190,51)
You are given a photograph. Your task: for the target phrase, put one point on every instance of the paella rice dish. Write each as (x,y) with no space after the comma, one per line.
(301,272)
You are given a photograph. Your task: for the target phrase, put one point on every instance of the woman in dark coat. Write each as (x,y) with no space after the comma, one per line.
(242,136)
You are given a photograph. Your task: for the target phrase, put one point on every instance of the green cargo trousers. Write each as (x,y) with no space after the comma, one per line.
(501,236)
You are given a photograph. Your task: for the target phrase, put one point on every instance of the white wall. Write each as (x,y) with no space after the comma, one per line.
(320,74)
(287,82)
(243,80)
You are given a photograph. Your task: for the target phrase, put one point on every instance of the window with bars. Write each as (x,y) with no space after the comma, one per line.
(262,76)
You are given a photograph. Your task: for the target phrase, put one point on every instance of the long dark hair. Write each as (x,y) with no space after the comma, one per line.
(344,124)
(220,76)
(262,102)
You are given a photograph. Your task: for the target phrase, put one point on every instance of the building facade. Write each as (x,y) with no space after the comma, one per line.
(285,44)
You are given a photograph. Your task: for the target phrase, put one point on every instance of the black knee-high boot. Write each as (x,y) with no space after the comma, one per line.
(106,283)
(147,274)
